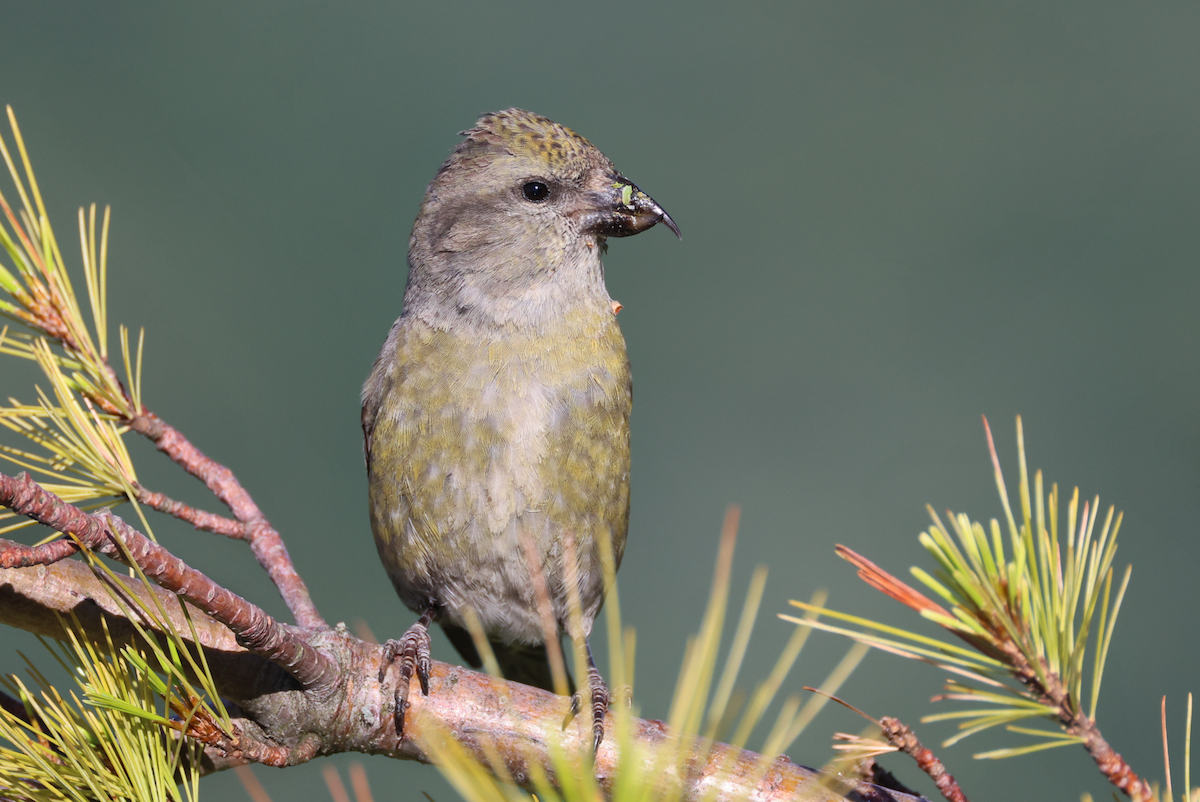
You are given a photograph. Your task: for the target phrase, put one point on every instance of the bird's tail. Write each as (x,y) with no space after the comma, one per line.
(529,665)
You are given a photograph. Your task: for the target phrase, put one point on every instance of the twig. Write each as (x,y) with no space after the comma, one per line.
(1043,685)
(1075,722)
(201,519)
(904,739)
(265,541)
(47,303)
(109,535)
(16,555)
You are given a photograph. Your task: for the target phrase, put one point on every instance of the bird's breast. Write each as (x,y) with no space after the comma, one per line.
(482,446)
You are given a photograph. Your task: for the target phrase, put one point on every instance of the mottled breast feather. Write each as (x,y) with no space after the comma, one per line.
(490,443)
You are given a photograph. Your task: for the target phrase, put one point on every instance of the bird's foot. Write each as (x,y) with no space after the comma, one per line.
(412,653)
(598,694)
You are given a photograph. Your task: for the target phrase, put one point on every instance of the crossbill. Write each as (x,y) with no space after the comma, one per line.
(496,417)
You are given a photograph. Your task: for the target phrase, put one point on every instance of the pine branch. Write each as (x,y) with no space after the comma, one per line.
(265,541)
(1027,611)
(489,718)
(44,300)
(107,534)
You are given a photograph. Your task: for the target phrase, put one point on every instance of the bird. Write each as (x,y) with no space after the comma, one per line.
(496,416)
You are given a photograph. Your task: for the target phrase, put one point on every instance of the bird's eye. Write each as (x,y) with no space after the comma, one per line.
(535,191)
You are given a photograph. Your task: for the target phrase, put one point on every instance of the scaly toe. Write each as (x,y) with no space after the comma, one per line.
(411,652)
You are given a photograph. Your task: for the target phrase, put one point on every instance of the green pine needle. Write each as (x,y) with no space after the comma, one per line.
(1026,600)
(76,430)
(116,739)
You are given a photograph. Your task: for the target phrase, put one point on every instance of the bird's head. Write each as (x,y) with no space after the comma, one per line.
(522,205)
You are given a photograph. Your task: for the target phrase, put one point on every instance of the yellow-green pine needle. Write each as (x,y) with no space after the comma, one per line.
(783,720)
(617,658)
(944,649)
(737,651)
(969,667)
(1057,739)
(930,582)
(696,675)
(475,630)
(1023,475)
(965,693)
(817,702)
(1102,651)
(766,690)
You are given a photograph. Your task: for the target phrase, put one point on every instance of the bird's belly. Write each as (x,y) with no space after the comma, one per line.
(497,466)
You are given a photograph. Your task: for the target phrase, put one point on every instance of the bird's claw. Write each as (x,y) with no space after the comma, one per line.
(412,654)
(598,694)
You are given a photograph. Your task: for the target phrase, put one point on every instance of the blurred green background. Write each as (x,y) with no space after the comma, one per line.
(896,217)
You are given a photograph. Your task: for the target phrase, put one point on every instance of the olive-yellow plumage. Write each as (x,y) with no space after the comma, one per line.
(497,414)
